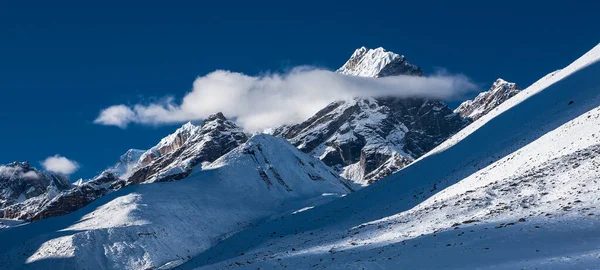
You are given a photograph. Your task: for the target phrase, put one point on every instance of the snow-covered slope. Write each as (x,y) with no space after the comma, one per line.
(366,139)
(486,101)
(516,189)
(164,224)
(20,183)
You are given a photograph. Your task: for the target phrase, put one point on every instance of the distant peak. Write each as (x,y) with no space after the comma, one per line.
(501,82)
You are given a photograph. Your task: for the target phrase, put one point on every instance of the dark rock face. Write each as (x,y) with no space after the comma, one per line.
(368,132)
(78,197)
(366,138)
(171,159)
(20,182)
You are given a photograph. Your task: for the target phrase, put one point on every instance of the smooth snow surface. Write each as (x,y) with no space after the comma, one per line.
(517,189)
(164,224)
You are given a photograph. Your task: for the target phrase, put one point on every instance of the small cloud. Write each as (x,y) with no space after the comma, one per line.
(118,115)
(60,164)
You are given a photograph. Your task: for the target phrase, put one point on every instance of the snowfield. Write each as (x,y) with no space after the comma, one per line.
(164,224)
(517,189)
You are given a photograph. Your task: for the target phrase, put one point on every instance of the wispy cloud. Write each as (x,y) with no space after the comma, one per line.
(259,102)
(59,164)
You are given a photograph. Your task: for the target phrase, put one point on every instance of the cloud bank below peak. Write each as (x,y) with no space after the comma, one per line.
(273,99)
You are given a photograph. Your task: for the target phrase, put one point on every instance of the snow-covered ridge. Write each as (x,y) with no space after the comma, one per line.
(165,224)
(171,159)
(378,63)
(174,156)
(486,101)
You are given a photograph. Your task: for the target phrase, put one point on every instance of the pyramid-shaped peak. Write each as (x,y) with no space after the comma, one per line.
(378,62)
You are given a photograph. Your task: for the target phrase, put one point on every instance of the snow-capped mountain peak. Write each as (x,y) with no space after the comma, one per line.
(365,139)
(175,155)
(169,143)
(378,63)
(500,91)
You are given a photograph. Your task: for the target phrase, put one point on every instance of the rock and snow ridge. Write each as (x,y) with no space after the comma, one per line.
(171,159)
(366,139)
(164,224)
(395,223)
(486,101)
(493,196)
(174,156)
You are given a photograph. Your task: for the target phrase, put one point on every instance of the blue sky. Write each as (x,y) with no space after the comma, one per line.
(61,64)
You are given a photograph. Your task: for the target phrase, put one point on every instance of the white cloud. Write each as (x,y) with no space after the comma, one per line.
(118,115)
(274,99)
(60,164)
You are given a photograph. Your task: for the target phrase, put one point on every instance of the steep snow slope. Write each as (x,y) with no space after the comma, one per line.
(164,224)
(516,189)
(486,101)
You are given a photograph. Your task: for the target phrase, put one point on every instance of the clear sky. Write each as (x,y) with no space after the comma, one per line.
(61,64)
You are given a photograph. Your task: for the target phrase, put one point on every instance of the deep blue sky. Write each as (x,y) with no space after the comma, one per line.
(61,64)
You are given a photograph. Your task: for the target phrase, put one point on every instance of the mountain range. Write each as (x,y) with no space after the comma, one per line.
(367,182)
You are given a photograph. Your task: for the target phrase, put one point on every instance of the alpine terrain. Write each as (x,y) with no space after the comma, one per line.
(516,189)
(508,180)
(486,101)
(164,224)
(366,139)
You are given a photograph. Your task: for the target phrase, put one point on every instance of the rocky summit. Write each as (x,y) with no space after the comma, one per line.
(366,138)
(486,101)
